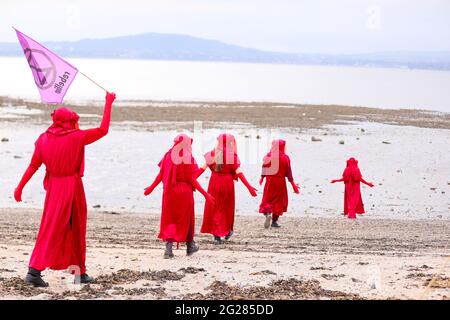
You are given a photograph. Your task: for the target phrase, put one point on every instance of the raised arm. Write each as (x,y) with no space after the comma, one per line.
(155,183)
(337,180)
(92,135)
(34,165)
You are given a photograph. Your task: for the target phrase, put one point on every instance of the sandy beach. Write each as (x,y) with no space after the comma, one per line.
(398,250)
(307,258)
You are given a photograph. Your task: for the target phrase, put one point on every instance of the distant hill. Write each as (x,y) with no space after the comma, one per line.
(156,46)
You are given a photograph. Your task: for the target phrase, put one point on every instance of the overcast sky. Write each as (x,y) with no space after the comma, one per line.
(325,26)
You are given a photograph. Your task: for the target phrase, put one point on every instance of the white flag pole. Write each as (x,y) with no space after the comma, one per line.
(92,81)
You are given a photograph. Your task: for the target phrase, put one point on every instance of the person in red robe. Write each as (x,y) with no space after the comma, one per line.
(177,172)
(276,168)
(352,178)
(61,241)
(223,161)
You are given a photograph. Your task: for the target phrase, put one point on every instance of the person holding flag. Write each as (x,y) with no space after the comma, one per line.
(61,241)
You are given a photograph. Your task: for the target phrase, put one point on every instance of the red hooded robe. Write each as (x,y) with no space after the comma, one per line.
(218,218)
(352,196)
(177,170)
(276,168)
(61,240)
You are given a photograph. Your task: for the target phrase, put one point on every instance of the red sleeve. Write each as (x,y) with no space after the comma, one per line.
(92,135)
(237,162)
(289,169)
(34,165)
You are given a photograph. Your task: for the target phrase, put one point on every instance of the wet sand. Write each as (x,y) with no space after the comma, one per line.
(262,115)
(307,258)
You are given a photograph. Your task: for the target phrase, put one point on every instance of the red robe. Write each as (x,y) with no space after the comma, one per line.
(276,168)
(218,219)
(177,214)
(61,240)
(353,203)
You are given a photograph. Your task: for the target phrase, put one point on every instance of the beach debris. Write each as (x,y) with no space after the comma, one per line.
(314,139)
(277,290)
(16,286)
(129,276)
(433,188)
(111,212)
(263,272)
(385,142)
(341,142)
(332,276)
(363,130)
(97,206)
(17,157)
(439,281)
(356,280)
(320,268)
(5,139)
(192,270)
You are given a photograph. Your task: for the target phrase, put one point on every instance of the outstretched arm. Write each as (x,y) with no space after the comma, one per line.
(261,180)
(200,171)
(31,170)
(92,135)
(155,183)
(370,184)
(198,187)
(241,176)
(290,178)
(337,180)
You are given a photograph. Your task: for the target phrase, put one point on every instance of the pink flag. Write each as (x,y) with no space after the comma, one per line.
(52,74)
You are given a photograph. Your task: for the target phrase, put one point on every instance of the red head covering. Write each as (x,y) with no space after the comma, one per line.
(64,121)
(180,153)
(225,151)
(278,147)
(352,171)
(271,161)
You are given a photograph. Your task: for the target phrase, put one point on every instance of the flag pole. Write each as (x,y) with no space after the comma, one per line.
(92,81)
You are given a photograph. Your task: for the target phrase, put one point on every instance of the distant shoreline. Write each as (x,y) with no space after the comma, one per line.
(368,65)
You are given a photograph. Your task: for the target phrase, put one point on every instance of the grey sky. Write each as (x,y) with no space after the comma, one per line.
(326,26)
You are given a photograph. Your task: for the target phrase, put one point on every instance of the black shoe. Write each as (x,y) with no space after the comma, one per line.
(84,278)
(228,236)
(168,254)
(275,224)
(218,240)
(35,279)
(191,248)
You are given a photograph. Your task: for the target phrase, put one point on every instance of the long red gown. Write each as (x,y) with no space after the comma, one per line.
(61,240)
(276,168)
(218,218)
(353,203)
(177,214)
